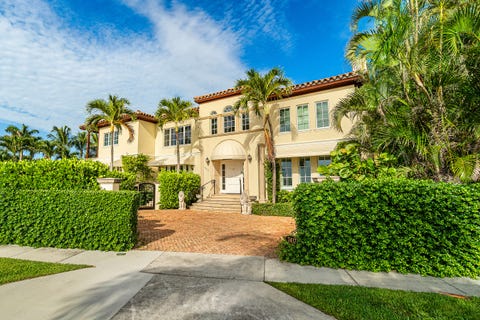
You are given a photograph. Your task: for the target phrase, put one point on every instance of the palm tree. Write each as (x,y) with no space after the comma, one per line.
(79,141)
(21,140)
(177,111)
(259,92)
(62,140)
(115,113)
(47,148)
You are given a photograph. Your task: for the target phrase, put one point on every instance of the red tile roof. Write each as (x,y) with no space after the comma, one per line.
(303,88)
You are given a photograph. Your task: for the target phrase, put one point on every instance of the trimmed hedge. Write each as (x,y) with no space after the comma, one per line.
(65,174)
(270,209)
(94,220)
(409,226)
(171,183)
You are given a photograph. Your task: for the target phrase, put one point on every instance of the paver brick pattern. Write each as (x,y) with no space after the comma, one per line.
(211,232)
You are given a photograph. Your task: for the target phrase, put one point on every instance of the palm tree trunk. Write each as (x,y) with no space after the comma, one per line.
(87,152)
(178,148)
(274,162)
(111,149)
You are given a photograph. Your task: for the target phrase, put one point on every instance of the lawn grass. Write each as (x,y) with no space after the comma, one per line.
(15,269)
(360,303)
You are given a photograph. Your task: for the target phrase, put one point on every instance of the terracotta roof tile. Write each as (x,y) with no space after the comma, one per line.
(311,86)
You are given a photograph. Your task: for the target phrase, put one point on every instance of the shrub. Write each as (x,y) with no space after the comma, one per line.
(382,225)
(284,196)
(138,165)
(270,209)
(63,174)
(93,220)
(171,183)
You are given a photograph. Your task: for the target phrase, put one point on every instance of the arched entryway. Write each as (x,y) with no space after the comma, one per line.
(228,159)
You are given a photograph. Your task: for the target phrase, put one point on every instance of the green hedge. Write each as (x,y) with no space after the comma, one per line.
(382,225)
(270,209)
(65,174)
(171,183)
(94,220)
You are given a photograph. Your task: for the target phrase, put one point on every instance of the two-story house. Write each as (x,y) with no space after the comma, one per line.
(229,148)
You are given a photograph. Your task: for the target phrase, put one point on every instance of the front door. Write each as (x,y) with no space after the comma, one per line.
(232,176)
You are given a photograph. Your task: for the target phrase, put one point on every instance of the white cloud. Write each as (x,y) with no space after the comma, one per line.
(48,72)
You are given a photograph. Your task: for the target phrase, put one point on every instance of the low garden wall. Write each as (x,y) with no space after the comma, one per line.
(95,220)
(409,226)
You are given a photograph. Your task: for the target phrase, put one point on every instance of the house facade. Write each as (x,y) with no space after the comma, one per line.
(228,149)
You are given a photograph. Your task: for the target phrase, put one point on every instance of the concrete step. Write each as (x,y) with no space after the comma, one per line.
(221,203)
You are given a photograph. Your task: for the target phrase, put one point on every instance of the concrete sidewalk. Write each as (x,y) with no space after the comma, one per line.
(168,285)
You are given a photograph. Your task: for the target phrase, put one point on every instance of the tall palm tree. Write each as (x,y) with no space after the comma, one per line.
(62,140)
(259,92)
(177,111)
(115,113)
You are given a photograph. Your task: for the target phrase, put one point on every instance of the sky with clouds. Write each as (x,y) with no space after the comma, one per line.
(56,55)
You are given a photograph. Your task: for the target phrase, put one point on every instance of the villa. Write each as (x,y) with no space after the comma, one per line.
(228,150)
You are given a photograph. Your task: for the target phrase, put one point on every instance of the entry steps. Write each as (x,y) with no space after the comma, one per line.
(229,203)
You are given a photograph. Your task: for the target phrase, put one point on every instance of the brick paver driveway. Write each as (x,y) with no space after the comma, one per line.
(211,232)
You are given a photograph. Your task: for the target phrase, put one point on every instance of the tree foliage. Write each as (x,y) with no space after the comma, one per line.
(259,93)
(177,111)
(419,100)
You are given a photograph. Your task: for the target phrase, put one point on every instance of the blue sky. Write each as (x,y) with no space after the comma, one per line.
(59,54)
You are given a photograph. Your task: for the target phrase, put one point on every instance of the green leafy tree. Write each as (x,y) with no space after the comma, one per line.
(259,93)
(418,61)
(137,165)
(115,113)
(177,111)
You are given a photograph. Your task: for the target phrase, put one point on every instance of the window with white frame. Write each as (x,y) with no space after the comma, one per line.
(228,120)
(305,170)
(322,115)
(107,138)
(245,121)
(285,120)
(302,117)
(184,136)
(286,173)
(213,123)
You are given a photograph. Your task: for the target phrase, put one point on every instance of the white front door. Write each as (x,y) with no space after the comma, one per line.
(232,176)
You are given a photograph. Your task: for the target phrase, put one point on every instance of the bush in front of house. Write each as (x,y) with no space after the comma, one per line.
(93,220)
(171,183)
(410,226)
(273,209)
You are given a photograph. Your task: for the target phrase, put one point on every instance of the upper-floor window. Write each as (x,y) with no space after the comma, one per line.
(286,167)
(245,121)
(322,115)
(107,138)
(228,120)
(305,170)
(213,123)
(302,117)
(184,136)
(285,120)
